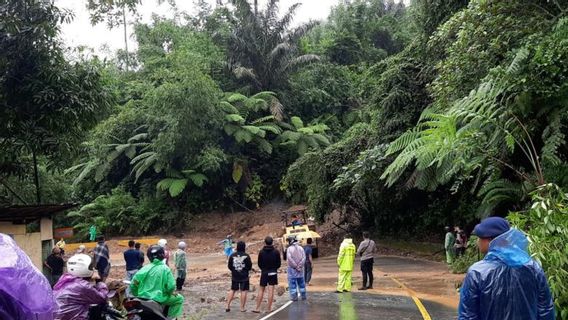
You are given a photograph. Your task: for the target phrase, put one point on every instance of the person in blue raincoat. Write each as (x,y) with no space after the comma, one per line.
(507,284)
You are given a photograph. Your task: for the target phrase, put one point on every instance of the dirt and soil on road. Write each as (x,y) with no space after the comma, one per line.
(209,279)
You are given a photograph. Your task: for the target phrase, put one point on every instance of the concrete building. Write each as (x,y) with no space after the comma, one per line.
(31,226)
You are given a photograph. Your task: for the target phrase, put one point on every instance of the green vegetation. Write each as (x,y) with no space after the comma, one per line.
(412,117)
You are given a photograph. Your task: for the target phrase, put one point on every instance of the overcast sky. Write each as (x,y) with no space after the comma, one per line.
(80,31)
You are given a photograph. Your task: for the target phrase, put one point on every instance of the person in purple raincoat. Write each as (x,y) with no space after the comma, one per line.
(25,293)
(75,292)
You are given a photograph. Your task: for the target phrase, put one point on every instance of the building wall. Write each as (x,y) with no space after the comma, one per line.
(46,229)
(12,229)
(31,244)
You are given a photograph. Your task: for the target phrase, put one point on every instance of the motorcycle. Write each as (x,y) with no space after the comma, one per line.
(141,309)
(104,311)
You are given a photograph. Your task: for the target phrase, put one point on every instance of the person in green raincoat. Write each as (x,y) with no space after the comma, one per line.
(345,261)
(155,281)
(449,245)
(92,233)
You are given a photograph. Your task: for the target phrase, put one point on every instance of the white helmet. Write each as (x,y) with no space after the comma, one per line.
(162,243)
(182,245)
(79,265)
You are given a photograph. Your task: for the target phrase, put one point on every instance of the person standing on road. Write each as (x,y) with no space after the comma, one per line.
(55,264)
(81,249)
(164,244)
(268,263)
(227,245)
(92,233)
(345,261)
(461,241)
(449,245)
(309,267)
(366,251)
(61,245)
(140,255)
(132,259)
(296,258)
(240,264)
(507,284)
(180,265)
(102,258)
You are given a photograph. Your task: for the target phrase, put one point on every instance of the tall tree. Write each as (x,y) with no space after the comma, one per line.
(114,13)
(47,103)
(263,50)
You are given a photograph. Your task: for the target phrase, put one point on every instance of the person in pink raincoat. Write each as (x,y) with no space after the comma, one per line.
(75,292)
(25,293)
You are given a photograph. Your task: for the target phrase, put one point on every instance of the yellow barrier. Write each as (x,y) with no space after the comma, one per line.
(123,243)
(145,241)
(74,246)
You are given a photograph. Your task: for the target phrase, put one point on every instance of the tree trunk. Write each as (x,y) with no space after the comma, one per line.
(125,37)
(255,8)
(36,177)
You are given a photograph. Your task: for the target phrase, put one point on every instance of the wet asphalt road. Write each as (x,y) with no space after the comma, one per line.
(360,306)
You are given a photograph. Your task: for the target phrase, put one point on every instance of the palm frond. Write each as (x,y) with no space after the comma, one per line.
(284,23)
(301,61)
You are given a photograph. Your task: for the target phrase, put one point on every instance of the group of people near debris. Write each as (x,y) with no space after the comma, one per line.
(80,287)
(455,243)
(506,284)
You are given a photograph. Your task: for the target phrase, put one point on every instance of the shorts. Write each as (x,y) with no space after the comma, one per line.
(240,285)
(270,280)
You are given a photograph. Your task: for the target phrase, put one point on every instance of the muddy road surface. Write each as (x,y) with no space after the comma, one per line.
(404,288)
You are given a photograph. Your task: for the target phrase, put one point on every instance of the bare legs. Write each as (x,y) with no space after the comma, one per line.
(243,300)
(270,298)
(231,296)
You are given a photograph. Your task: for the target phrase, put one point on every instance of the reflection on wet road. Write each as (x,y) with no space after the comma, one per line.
(359,306)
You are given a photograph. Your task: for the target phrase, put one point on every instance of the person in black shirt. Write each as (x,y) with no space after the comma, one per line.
(141,255)
(55,264)
(132,259)
(240,264)
(268,262)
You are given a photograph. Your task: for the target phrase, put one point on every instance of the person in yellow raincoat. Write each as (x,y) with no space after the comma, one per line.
(155,281)
(345,261)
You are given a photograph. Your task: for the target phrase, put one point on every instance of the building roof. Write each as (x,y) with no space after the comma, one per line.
(28,213)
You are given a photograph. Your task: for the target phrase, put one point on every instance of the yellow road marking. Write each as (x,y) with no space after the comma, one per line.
(417,301)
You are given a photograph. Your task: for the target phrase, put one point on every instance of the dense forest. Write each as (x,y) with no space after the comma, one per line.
(413,117)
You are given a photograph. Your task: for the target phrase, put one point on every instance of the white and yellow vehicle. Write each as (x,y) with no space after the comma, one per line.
(303,230)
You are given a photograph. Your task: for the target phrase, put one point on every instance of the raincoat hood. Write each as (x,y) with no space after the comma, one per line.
(346,256)
(506,284)
(25,293)
(346,242)
(268,248)
(510,248)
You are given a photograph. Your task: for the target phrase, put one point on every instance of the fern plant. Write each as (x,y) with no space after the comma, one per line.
(304,138)
(477,132)
(241,123)
(177,182)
